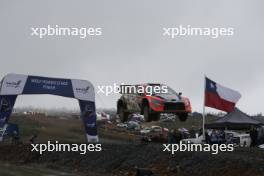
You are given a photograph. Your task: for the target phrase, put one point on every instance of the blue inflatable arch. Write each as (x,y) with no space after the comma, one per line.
(13,85)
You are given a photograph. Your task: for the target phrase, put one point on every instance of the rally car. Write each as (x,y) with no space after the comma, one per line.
(151,106)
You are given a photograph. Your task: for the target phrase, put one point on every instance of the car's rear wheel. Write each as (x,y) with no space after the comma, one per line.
(146,112)
(122,114)
(183,116)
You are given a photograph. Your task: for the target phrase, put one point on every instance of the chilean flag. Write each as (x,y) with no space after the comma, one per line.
(220,97)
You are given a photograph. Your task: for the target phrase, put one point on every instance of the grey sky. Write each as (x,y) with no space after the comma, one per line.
(132,48)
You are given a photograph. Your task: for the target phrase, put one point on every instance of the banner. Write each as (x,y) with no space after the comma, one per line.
(54,86)
(15,84)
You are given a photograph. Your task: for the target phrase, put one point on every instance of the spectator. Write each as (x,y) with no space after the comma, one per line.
(171,139)
(261,135)
(192,132)
(254,137)
(214,137)
(15,138)
(207,138)
(177,136)
(221,138)
(33,138)
(229,138)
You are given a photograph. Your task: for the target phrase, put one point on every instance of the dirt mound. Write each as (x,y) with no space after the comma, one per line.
(123,159)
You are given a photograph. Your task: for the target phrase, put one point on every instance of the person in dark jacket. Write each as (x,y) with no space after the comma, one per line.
(192,132)
(15,138)
(254,137)
(214,137)
(33,138)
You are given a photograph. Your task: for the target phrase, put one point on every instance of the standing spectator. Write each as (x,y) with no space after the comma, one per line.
(207,138)
(171,139)
(177,136)
(261,135)
(229,138)
(254,137)
(33,138)
(192,132)
(214,137)
(221,138)
(15,138)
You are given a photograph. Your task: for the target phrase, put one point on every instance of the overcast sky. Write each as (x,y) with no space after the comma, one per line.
(132,48)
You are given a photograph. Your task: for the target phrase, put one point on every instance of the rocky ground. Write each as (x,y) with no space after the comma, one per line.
(123,154)
(125,158)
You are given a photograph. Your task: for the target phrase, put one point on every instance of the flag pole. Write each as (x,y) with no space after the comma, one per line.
(204,108)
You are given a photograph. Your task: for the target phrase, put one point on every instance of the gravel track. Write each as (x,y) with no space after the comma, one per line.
(121,158)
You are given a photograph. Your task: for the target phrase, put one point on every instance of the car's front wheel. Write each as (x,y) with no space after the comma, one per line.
(146,113)
(122,114)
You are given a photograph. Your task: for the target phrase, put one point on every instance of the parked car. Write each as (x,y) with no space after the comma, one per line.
(155,134)
(151,106)
(196,140)
(122,125)
(155,129)
(238,139)
(241,139)
(145,130)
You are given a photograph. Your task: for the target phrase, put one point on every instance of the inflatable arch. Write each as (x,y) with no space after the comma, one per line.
(13,85)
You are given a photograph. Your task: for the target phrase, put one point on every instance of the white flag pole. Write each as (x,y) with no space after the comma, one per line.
(204,108)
